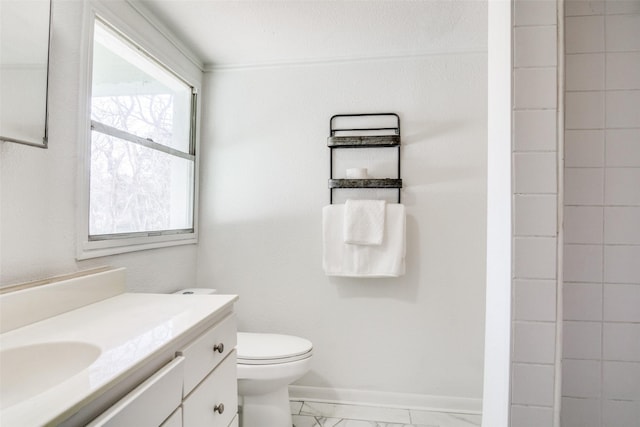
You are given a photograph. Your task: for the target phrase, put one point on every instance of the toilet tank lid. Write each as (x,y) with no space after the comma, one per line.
(257,346)
(196,291)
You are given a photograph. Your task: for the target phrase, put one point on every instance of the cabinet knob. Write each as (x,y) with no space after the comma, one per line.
(219,348)
(219,408)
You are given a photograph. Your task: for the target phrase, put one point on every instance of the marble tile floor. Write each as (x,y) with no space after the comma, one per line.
(319,414)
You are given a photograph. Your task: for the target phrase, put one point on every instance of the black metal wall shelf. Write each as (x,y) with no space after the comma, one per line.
(371,137)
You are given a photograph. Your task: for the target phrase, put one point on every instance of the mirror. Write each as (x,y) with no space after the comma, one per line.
(24,58)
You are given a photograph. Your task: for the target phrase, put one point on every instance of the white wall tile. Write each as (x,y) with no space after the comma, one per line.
(621,380)
(619,413)
(621,7)
(584,186)
(535,257)
(623,70)
(535,215)
(622,264)
(584,34)
(581,378)
(584,71)
(584,110)
(534,130)
(534,12)
(581,340)
(583,263)
(602,233)
(532,384)
(622,225)
(622,186)
(584,148)
(621,303)
(623,33)
(621,341)
(623,109)
(535,88)
(623,147)
(535,300)
(583,224)
(534,342)
(580,412)
(583,7)
(535,46)
(535,173)
(582,301)
(528,416)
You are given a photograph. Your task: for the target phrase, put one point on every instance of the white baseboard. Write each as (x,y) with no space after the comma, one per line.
(460,405)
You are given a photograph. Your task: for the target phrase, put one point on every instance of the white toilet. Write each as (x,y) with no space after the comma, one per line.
(267,364)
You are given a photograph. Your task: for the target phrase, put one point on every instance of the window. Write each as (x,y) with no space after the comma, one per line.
(142,158)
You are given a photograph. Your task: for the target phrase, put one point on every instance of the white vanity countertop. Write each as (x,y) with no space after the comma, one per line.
(129,329)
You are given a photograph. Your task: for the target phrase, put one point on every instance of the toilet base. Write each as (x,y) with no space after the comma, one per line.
(266,410)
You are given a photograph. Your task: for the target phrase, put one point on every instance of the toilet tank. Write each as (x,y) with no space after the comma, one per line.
(196,291)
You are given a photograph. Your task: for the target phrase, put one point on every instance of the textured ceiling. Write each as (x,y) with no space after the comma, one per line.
(224,33)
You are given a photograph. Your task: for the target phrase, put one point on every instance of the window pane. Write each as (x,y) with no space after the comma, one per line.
(134,188)
(133,93)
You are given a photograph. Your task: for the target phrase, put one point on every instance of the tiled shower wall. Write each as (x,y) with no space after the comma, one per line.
(601,345)
(535,195)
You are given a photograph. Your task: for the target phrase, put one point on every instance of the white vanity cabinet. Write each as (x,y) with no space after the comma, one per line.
(197,388)
(149,404)
(151,360)
(210,380)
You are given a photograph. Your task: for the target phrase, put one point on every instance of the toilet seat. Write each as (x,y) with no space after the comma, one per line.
(268,349)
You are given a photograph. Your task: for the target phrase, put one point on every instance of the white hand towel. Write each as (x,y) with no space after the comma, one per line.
(384,260)
(364,222)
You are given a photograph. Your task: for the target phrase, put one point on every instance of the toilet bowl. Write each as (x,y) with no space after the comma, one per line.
(266,365)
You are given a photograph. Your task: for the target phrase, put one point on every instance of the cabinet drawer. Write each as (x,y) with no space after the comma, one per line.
(234,423)
(202,355)
(204,405)
(150,403)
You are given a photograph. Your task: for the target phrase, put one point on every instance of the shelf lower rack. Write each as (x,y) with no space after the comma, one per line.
(365,183)
(363,141)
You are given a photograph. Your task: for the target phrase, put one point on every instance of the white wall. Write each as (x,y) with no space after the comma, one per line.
(38,187)
(602,246)
(264,183)
(265,166)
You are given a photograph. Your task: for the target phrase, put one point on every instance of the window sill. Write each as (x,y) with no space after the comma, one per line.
(101,248)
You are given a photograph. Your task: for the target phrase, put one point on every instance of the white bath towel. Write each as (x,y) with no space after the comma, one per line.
(364,222)
(384,260)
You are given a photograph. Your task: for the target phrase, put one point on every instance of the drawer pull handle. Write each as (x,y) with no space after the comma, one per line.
(219,408)
(219,348)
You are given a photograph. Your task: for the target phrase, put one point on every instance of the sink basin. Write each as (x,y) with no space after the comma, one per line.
(30,370)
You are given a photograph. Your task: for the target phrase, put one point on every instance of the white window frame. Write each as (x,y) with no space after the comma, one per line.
(157,43)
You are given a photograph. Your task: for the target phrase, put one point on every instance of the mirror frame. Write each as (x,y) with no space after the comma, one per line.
(45,138)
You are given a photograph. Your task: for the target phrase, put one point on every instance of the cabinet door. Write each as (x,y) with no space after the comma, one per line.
(203,354)
(150,403)
(214,402)
(175,420)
